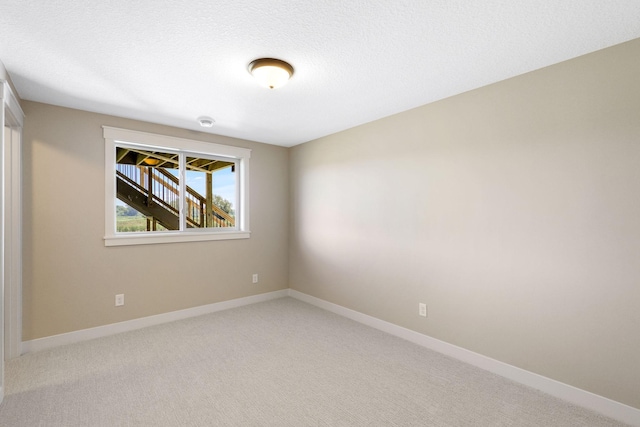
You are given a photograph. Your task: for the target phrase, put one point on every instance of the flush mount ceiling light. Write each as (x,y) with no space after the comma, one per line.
(271,73)
(206,122)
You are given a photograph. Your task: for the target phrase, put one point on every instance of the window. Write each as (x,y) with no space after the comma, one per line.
(162,189)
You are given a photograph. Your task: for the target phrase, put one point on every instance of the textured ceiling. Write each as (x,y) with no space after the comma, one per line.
(355,61)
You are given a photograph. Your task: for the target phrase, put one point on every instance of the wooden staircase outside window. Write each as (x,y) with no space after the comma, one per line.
(155,193)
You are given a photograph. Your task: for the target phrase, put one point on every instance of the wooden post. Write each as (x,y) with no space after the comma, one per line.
(209,202)
(149,186)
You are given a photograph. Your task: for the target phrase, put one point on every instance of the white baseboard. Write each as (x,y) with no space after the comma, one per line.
(131,325)
(594,402)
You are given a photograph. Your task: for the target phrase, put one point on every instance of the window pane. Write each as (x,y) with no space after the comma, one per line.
(211,192)
(147,190)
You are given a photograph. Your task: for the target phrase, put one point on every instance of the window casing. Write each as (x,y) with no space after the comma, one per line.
(168,183)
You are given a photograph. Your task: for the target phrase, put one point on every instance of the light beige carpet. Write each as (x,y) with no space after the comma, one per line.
(278,363)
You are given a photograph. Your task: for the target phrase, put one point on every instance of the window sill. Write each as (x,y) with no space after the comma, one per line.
(169,237)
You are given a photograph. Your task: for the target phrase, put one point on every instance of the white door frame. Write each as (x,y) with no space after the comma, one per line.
(12,121)
(13,242)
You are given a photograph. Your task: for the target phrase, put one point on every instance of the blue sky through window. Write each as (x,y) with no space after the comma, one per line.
(224,183)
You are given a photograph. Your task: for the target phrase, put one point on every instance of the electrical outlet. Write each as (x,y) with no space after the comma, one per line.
(255,278)
(119,300)
(422,309)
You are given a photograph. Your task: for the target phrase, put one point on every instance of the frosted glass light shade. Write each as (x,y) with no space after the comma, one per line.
(271,73)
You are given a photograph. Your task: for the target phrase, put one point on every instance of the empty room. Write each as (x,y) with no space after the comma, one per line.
(286,213)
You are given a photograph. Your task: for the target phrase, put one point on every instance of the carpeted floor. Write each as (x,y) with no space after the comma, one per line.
(277,363)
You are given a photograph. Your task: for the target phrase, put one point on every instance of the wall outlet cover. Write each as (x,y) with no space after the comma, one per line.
(422,309)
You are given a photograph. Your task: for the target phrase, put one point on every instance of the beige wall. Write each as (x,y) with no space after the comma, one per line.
(513,211)
(71,278)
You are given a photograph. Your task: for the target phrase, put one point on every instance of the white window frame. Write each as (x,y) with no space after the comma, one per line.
(116,137)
